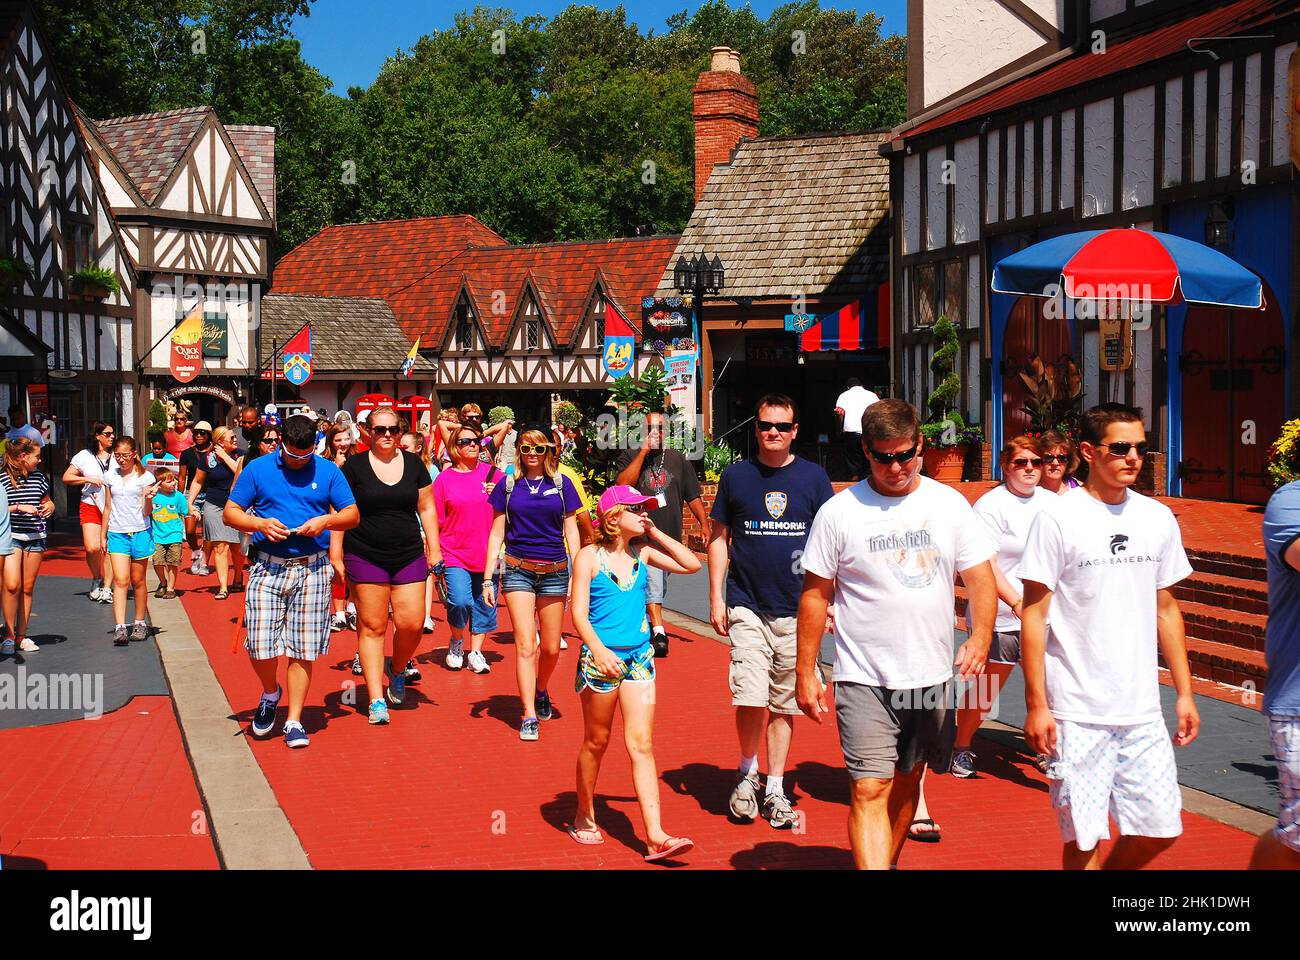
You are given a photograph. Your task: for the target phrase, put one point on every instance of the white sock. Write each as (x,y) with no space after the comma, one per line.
(352,608)
(748,765)
(144,623)
(121,626)
(773,785)
(658,630)
(272,699)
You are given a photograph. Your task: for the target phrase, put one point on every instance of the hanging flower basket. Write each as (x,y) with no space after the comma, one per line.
(93,283)
(13,272)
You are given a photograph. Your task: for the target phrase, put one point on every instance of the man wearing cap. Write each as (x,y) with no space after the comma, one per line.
(849,407)
(190,459)
(289,501)
(664,474)
(765,507)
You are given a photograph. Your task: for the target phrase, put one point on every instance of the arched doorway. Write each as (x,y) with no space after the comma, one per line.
(1030,333)
(1233,368)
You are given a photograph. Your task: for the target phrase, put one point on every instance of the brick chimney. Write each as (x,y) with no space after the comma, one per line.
(726,109)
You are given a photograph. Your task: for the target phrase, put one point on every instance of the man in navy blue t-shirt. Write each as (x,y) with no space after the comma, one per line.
(765,507)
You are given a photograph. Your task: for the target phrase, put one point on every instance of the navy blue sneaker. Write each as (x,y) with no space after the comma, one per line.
(396,691)
(528,729)
(295,735)
(264,715)
(545,710)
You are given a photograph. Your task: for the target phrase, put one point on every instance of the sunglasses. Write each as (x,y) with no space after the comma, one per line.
(903,456)
(634,507)
(766,425)
(107,433)
(1056,458)
(284,452)
(468,442)
(1122,448)
(386,431)
(1023,462)
(270,440)
(472,416)
(527,448)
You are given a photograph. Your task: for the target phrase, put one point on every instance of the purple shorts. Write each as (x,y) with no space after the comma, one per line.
(363,571)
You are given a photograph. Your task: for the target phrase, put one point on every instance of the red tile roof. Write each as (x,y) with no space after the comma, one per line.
(420,266)
(149,145)
(1240,17)
(375,259)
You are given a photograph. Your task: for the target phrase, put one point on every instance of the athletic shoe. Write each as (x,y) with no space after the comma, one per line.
(120,638)
(428,624)
(7,648)
(412,673)
(545,710)
(352,620)
(204,570)
(456,655)
(95,587)
(194,566)
(139,631)
(396,691)
(963,764)
(528,729)
(378,712)
(744,799)
(295,735)
(477,663)
(106,595)
(26,646)
(356,665)
(778,812)
(338,622)
(264,715)
(660,642)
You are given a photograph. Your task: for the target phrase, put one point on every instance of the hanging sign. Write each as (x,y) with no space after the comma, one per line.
(619,356)
(679,370)
(667,318)
(187,346)
(297,358)
(1116,341)
(799,322)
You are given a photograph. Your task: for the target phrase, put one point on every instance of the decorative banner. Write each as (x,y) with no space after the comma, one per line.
(409,363)
(215,336)
(620,355)
(799,322)
(187,346)
(667,318)
(297,358)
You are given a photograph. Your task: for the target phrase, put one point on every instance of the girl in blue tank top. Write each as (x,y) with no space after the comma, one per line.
(616,667)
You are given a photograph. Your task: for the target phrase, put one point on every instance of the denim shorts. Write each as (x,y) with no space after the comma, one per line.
(515,580)
(137,546)
(31,546)
(656,585)
(465,604)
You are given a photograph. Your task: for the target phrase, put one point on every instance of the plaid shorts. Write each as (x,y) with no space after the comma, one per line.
(1285,734)
(287,609)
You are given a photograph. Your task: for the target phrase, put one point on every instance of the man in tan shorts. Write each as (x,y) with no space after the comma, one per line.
(764,507)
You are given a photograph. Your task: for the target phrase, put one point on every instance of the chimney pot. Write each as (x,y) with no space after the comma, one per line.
(725,60)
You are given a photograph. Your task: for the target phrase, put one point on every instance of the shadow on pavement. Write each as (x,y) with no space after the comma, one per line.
(613,823)
(708,784)
(783,855)
(500,706)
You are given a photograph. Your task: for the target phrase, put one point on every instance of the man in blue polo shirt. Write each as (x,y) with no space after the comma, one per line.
(289,501)
(765,507)
(1279,847)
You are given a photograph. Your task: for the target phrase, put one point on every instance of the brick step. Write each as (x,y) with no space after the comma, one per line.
(1233,565)
(1228,593)
(1224,663)
(1230,627)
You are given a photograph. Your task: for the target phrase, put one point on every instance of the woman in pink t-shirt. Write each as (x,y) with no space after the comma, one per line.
(464,522)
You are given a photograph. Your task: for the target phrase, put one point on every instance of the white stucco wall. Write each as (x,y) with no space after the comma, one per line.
(1098,157)
(912,204)
(965,42)
(1028,202)
(1138,187)
(1223,146)
(1048,135)
(1281,111)
(1067,160)
(1013,171)
(992,146)
(974,278)
(1251,105)
(966,203)
(936,199)
(1099,9)
(1173,133)
(1199,94)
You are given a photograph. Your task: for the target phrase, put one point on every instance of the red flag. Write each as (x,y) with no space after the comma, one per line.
(615,325)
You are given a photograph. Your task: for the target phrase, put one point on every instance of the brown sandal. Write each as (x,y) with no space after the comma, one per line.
(222,594)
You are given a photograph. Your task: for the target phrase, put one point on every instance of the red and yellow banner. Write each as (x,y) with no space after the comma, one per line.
(187,346)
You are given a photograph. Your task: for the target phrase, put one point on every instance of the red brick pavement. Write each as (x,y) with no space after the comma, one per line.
(112,793)
(449,784)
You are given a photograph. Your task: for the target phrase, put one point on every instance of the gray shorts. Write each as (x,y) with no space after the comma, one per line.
(656,585)
(883,730)
(1005,648)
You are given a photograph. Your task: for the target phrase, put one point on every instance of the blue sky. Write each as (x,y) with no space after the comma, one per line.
(348,42)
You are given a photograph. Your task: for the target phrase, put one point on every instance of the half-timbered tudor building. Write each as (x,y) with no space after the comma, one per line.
(175,205)
(503,324)
(1032,118)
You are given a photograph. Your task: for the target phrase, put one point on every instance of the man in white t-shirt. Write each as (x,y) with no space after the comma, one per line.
(888,550)
(1102,560)
(21,428)
(849,407)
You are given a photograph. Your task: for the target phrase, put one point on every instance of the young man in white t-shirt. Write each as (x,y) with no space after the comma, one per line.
(888,549)
(849,407)
(1102,560)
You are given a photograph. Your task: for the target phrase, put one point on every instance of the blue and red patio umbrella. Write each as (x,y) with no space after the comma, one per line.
(1129,265)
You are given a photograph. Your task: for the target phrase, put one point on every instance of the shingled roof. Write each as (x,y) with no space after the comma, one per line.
(256,147)
(149,145)
(375,259)
(803,214)
(561,274)
(349,334)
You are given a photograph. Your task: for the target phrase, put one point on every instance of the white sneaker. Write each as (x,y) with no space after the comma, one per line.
(27,646)
(428,624)
(456,655)
(477,663)
(106,595)
(338,622)
(204,571)
(194,567)
(94,591)
(352,620)
(6,648)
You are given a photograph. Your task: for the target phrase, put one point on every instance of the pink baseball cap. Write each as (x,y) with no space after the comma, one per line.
(621,495)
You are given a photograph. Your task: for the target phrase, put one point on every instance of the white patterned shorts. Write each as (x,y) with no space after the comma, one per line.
(1285,734)
(1125,772)
(287,609)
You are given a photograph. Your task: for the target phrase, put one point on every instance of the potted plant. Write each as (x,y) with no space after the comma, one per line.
(13,272)
(93,283)
(945,432)
(1284,456)
(1055,394)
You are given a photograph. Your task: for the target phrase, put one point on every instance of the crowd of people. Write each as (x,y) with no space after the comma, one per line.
(375,524)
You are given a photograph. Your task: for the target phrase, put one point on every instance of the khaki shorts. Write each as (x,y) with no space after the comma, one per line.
(167,554)
(763,657)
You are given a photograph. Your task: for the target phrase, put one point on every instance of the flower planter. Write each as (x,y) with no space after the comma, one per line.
(944,464)
(92,291)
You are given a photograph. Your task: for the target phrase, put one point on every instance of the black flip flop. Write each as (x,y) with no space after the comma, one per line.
(930,836)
